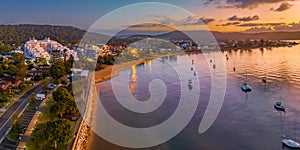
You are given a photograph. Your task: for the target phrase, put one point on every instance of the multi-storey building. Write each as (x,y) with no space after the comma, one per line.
(46,48)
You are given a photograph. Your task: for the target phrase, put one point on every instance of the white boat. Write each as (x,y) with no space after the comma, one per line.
(290,143)
(279,106)
(246,88)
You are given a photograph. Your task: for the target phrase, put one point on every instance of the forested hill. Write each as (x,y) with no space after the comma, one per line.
(19,34)
(68,35)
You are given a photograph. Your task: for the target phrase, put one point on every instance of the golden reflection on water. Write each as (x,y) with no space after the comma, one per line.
(133,80)
(280,66)
(150,65)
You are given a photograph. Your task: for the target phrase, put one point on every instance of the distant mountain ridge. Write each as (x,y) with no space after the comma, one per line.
(203,35)
(262,35)
(68,35)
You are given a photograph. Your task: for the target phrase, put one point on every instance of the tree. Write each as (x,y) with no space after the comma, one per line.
(1,69)
(16,127)
(33,99)
(14,117)
(61,95)
(69,64)
(64,102)
(18,34)
(23,87)
(71,107)
(58,108)
(53,134)
(22,72)
(99,65)
(45,84)
(38,77)
(17,58)
(5,48)
(12,69)
(57,70)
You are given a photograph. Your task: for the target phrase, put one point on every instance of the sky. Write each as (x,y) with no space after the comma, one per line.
(217,15)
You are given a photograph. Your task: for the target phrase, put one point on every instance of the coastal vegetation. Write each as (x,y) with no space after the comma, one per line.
(52,134)
(55,126)
(55,129)
(16,35)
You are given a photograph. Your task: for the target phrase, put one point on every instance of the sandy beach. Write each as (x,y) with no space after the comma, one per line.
(108,72)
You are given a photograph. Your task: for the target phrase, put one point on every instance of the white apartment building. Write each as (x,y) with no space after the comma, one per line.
(34,49)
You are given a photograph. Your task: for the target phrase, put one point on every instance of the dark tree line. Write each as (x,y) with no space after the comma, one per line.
(19,34)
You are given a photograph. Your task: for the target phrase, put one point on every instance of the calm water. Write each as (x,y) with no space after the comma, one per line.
(245,121)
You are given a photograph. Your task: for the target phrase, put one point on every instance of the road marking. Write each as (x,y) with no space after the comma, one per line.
(1,140)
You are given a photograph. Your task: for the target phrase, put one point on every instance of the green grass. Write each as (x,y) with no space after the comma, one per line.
(13,136)
(11,102)
(46,115)
(31,108)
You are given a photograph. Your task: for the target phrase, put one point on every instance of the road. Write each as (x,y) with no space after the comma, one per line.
(17,107)
(25,119)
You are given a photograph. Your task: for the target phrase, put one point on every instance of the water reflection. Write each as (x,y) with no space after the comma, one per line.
(169,59)
(247,121)
(133,80)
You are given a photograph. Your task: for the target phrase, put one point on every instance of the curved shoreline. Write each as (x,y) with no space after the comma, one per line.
(113,70)
(106,74)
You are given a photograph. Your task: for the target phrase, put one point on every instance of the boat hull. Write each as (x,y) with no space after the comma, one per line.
(279,108)
(291,144)
(246,89)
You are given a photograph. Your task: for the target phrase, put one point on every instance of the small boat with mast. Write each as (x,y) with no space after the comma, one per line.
(245,87)
(279,106)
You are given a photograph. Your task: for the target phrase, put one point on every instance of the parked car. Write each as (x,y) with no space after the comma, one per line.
(51,86)
(40,97)
(73,118)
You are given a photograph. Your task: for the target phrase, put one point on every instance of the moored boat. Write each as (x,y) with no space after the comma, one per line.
(246,88)
(279,106)
(291,143)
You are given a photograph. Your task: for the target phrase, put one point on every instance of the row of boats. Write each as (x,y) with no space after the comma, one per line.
(278,106)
